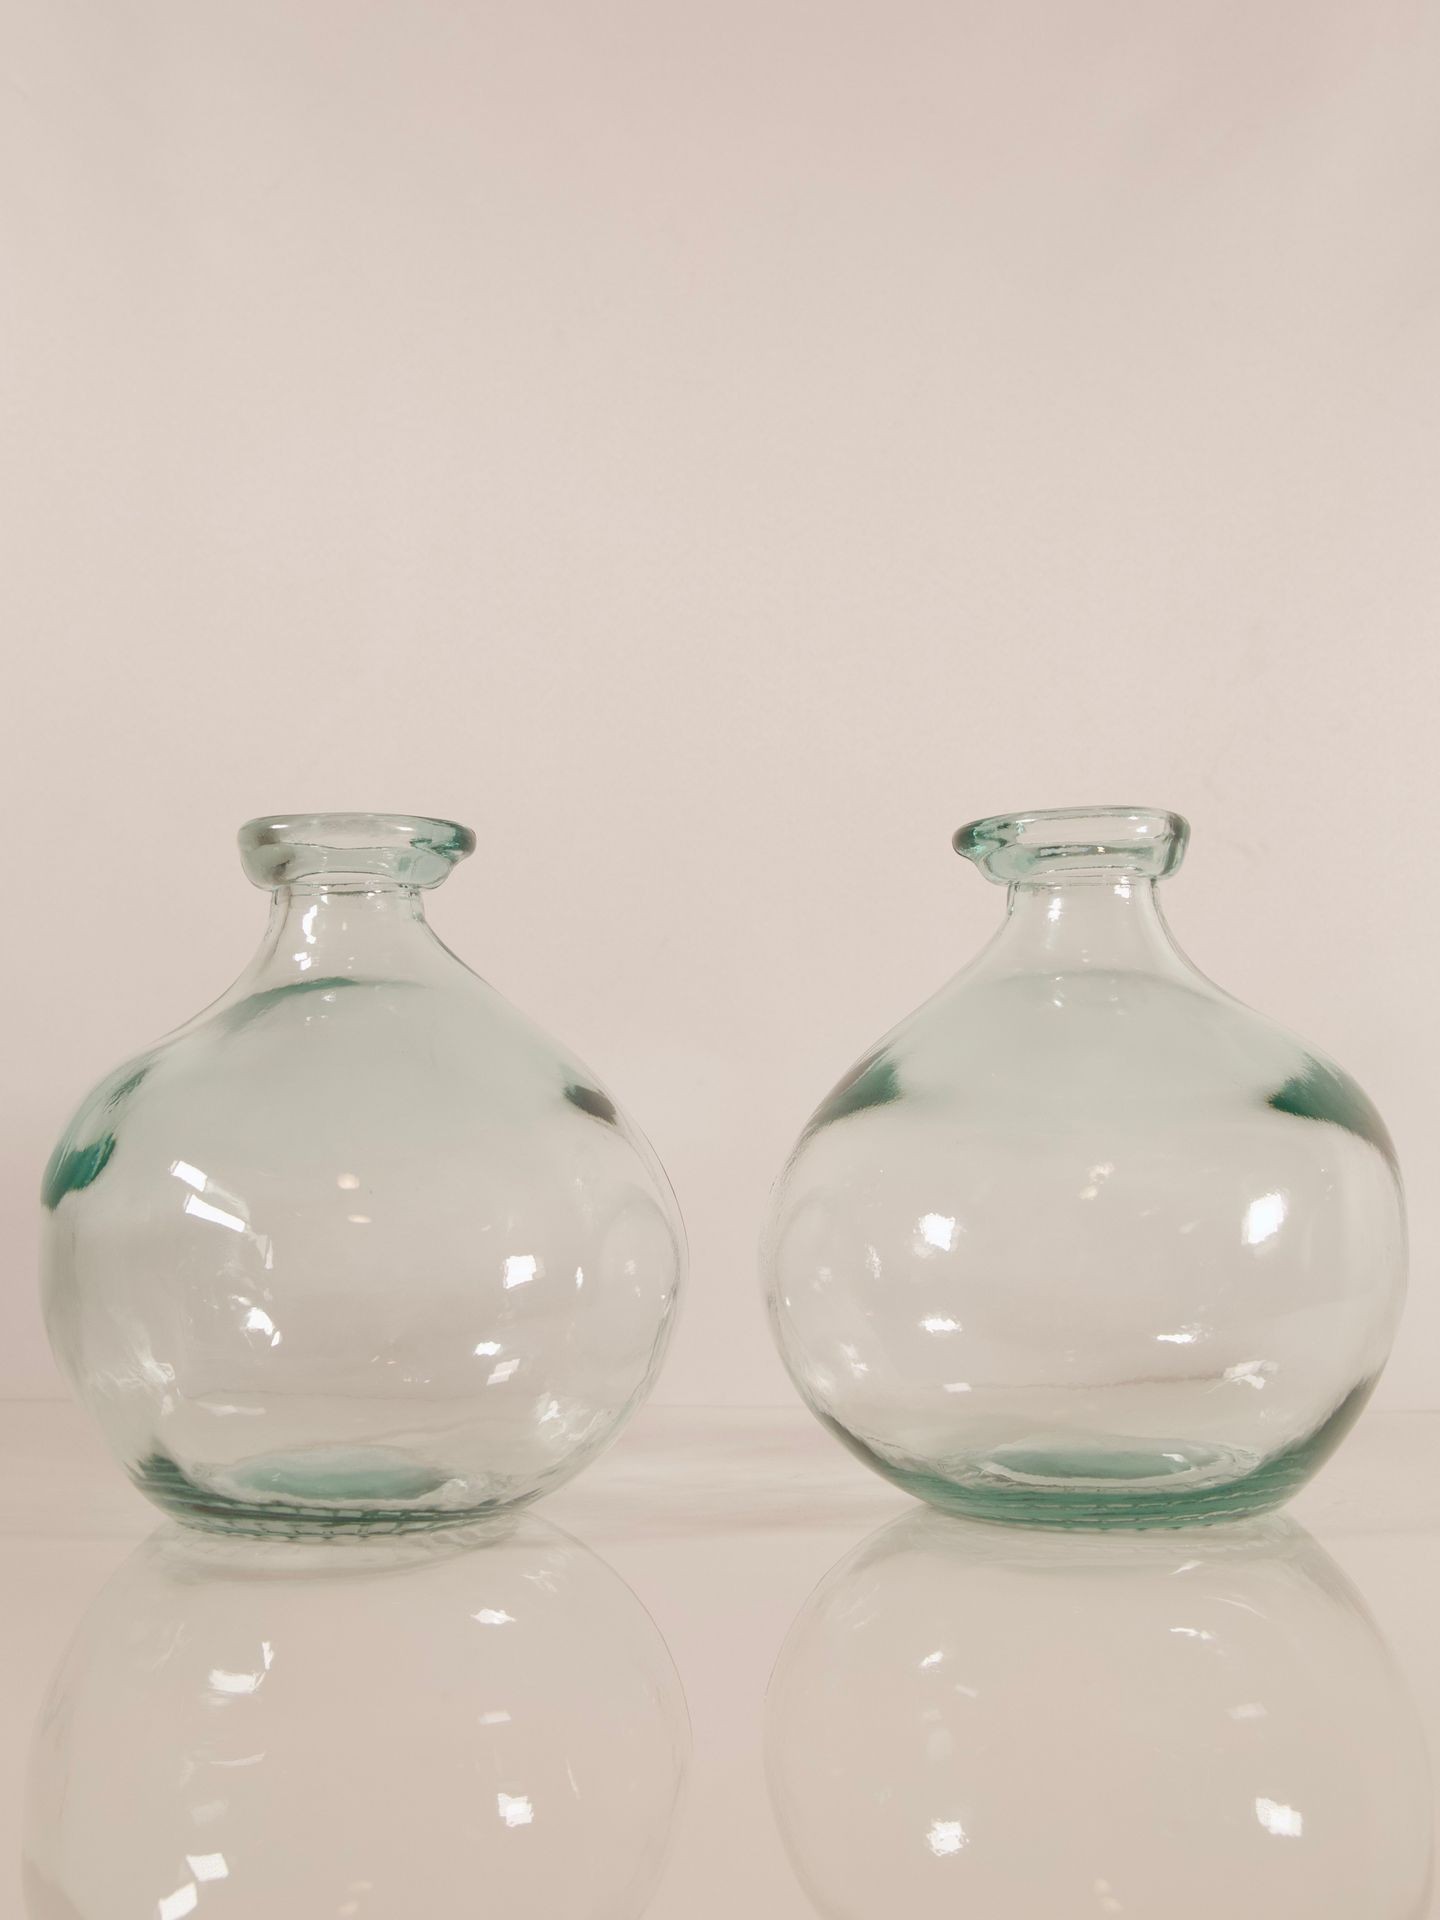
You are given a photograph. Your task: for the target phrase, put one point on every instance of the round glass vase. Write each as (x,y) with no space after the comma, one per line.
(357,1249)
(1085,1242)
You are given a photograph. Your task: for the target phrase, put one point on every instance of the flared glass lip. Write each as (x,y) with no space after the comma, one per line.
(403,849)
(1066,842)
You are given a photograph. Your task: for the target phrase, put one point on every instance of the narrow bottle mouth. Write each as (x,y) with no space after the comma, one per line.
(1070,842)
(352,849)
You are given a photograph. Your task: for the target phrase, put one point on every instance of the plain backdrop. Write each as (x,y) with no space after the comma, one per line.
(714,450)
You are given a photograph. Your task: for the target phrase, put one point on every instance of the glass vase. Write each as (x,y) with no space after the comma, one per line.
(357,1249)
(1085,1242)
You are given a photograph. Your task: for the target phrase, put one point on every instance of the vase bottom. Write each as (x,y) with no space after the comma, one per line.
(315,1493)
(1058,1481)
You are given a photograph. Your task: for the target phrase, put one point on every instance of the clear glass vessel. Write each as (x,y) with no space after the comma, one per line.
(1085,1242)
(971,1720)
(484,1721)
(358,1248)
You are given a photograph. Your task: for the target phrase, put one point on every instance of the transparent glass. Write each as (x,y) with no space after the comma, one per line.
(1085,1242)
(386,1729)
(971,1720)
(358,1248)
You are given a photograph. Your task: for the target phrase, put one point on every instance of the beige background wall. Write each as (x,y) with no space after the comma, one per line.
(716,449)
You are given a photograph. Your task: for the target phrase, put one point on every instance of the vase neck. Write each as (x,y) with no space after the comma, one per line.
(327,933)
(1109,924)
(345,895)
(1082,888)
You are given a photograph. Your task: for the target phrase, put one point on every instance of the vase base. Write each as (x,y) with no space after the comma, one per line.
(1131,1485)
(1085,1505)
(312,1495)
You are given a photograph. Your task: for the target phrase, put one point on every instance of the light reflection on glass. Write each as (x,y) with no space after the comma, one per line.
(938,1230)
(1285,1822)
(947,1836)
(1263,1218)
(207,1866)
(1250,1373)
(202,1210)
(257,1320)
(234,1683)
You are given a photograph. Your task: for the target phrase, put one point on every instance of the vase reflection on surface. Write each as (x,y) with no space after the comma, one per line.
(380,1729)
(967,1719)
(1084,1242)
(357,1249)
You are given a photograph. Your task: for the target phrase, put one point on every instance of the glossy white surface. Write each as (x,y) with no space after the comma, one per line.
(1074,1750)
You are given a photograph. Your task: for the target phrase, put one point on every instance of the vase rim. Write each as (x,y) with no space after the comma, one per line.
(403,849)
(1013,848)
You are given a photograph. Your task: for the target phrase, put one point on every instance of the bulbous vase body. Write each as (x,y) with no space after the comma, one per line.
(1084,1241)
(358,1248)
(977,1720)
(432,1725)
